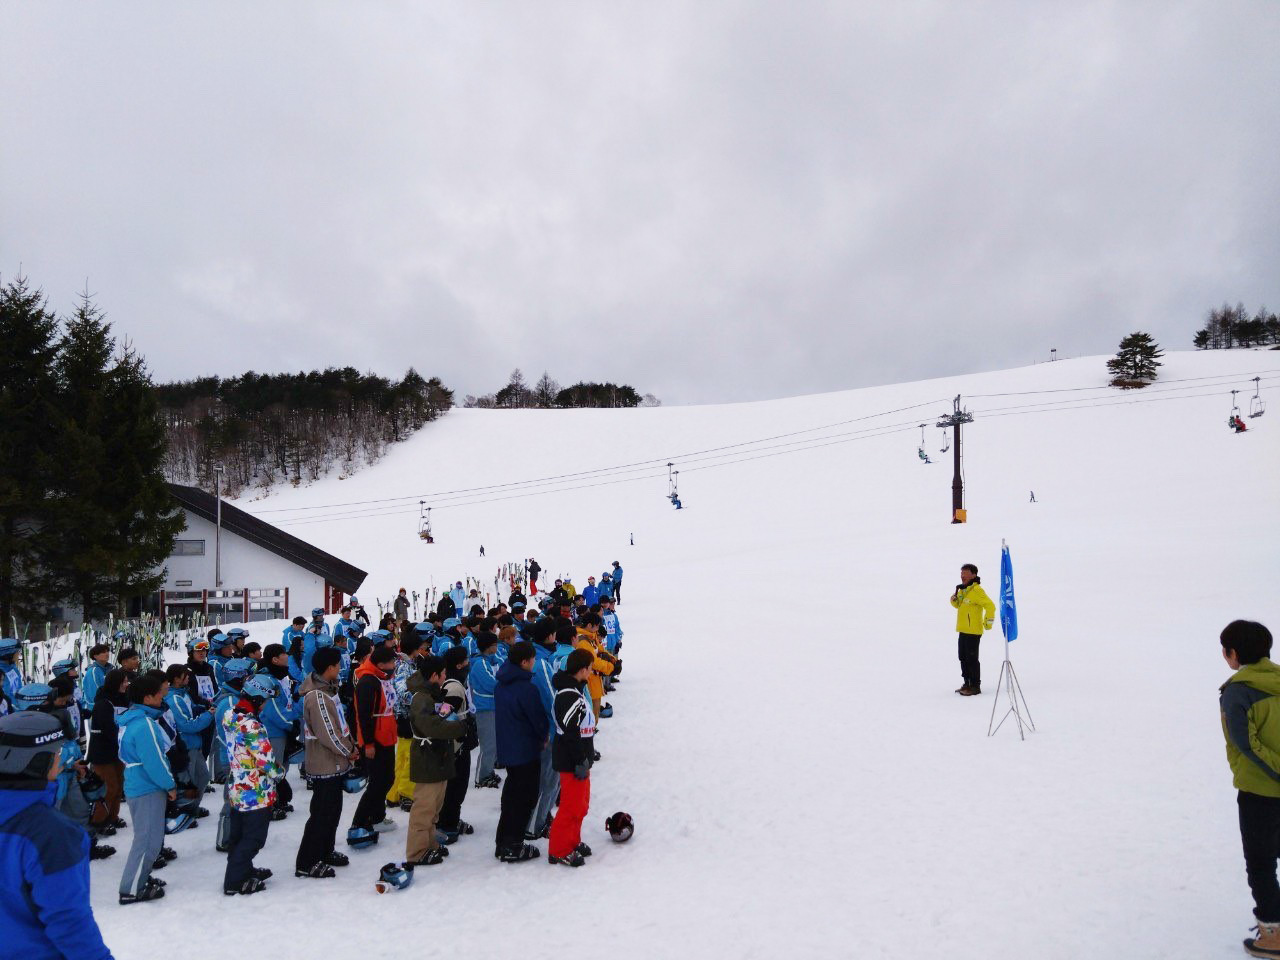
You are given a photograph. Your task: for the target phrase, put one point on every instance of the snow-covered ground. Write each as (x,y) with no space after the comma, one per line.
(803,779)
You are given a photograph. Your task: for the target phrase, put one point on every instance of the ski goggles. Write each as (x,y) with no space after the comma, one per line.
(200,645)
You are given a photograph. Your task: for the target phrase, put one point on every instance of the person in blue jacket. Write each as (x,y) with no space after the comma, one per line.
(549,781)
(280,716)
(148,786)
(317,636)
(617,581)
(591,593)
(482,680)
(221,649)
(522,728)
(612,626)
(191,720)
(10,676)
(44,857)
(606,586)
(94,674)
(291,635)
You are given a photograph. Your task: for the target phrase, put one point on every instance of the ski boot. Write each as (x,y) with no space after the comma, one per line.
(574,859)
(526,851)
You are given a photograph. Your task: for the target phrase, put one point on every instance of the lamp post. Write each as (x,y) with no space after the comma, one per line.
(217,534)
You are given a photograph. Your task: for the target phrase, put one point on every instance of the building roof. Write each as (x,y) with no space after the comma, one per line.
(341,574)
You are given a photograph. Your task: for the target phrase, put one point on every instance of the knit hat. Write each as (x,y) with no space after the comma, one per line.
(28,743)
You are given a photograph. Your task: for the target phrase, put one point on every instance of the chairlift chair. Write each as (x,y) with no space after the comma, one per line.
(424,523)
(1257,406)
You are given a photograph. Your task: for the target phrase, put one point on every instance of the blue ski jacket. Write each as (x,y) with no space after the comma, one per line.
(44,881)
(189,723)
(10,679)
(279,714)
(617,574)
(482,680)
(311,642)
(92,683)
(606,589)
(613,628)
(591,594)
(146,769)
(543,670)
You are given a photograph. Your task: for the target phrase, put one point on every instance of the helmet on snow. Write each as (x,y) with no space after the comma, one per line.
(182,820)
(360,837)
(395,875)
(620,827)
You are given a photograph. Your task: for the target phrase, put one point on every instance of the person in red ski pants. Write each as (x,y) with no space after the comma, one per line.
(572,754)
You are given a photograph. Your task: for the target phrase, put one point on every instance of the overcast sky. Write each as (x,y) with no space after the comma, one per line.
(710,201)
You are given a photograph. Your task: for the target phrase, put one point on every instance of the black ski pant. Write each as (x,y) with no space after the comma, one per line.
(617,591)
(456,792)
(519,797)
(1260,834)
(322,822)
(248,835)
(970,666)
(372,807)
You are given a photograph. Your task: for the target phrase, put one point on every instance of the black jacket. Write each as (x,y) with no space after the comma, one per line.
(446,607)
(104,735)
(198,669)
(534,570)
(517,597)
(575,724)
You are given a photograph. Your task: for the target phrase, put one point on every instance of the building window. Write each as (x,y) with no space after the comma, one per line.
(266,610)
(188,548)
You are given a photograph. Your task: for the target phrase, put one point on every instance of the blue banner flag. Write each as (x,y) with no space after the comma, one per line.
(1008,608)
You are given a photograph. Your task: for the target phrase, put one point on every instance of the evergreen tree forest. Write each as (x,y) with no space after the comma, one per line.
(266,429)
(547,394)
(85,515)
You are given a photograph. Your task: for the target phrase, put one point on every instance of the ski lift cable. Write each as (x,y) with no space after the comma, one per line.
(1148,392)
(1225,377)
(639,464)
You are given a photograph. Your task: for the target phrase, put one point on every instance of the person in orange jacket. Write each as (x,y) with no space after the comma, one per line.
(603,662)
(375,713)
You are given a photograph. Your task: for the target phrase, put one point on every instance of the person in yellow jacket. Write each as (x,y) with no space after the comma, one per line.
(975,613)
(601,665)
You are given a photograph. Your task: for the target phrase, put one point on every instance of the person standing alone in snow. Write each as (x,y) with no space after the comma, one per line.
(1251,724)
(974,613)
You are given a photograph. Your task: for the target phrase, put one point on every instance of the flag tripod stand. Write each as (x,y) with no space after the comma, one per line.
(1016,702)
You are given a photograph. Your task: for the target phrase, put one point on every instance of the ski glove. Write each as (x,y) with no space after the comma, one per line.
(581,770)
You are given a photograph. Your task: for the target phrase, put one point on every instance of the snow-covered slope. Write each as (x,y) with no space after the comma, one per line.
(803,779)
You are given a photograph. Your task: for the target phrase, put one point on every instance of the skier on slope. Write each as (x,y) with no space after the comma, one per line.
(534,570)
(974,613)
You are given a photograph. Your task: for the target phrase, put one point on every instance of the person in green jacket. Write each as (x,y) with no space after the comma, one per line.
(1250,705)
(975,613)
(434,724)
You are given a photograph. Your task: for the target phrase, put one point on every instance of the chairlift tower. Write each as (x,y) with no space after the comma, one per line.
(954,421)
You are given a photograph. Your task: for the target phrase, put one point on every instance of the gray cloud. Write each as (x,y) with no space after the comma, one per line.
(712,201)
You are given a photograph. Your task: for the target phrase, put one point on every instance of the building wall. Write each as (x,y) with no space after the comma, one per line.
(244,565)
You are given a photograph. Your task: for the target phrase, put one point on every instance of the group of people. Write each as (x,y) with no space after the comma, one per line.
(393,714)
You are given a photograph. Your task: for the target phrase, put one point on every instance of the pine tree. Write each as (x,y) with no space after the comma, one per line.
(77,546)
(1136,363)
(28,425)
(145,519)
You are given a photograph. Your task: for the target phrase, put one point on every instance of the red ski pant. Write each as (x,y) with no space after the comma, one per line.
(566,828)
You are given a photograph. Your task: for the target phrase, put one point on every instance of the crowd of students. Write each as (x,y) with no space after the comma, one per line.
(407,715)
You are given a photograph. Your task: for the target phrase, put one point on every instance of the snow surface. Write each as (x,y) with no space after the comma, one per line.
(803,779)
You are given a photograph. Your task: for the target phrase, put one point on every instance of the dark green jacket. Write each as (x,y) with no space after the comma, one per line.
(1250,704)
(431,749)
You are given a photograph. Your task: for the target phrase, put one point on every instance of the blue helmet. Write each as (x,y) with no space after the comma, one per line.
(361,837)
(379,636)
(355,780)
(451,622)
(425,627)
(238,668)
(395,875)
(9,646)
(260,685)
(64,665)
(32,696)
(317,612)
(180,821)
(237,632)
(220,640)
(201,642)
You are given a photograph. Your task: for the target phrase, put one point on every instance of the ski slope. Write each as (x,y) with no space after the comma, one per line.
(803,779)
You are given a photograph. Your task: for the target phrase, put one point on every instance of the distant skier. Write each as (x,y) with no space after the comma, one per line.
(974,613)
(633,539)
(482,549)
(1033,496)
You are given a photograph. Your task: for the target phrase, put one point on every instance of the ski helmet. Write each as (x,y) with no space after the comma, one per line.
(238,668)
(355,780)
(397,875)
(32,696)
(261,685)
(237,632)
(198,643)
(355,601)
(180,821)
(379,636)
(317,612)
(620,827)
(9,646)
(220,640)
(297,757)
(93,788)
(359,837)
(63,665)
(606,711)
(28,742)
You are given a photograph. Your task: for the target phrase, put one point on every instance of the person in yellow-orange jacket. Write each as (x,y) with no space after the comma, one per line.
(603,663)
(975,613)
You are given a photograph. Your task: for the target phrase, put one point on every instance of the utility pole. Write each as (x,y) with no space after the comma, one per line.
(217,534)
(954,420)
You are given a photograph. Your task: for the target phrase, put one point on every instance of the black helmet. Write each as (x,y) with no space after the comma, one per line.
(620,827)
(29,741)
